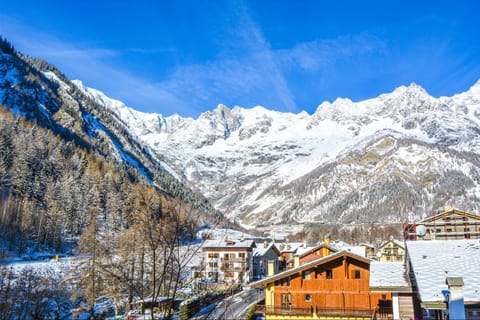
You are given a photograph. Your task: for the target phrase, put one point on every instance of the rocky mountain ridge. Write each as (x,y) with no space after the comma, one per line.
(402,153)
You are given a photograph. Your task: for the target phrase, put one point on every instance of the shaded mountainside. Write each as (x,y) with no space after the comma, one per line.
(64,158)
(383,159)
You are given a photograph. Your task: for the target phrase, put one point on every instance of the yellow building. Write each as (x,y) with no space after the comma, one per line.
(391,250)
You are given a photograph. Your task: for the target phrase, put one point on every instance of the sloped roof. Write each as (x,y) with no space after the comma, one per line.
(290,246)
(307,266)
(221,244)
(260,249)
(448,212)
(396,242)
(433,261)
(302,252)
(388,275)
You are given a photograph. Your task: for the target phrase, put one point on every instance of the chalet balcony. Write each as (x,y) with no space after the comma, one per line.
(375,313)
(234,260)
(232,269)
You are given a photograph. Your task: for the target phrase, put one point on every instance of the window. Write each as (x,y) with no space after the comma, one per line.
(308,297)
(286,301)
(213,276)
(306,275)
(328,274)
(356,274)
(228,266)
(212,255)
(241,254)
(213,264)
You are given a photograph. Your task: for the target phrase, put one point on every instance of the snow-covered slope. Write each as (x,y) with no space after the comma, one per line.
(377,159)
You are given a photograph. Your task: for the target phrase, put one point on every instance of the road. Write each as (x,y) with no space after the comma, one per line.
(236,306)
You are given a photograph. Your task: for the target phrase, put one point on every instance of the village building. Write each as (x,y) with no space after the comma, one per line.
(336,286)
(228,261)
(262,253)
(450,224)
(392,277)
(446,275)
(391,250)
(370,250)
(307,254)
(287,251)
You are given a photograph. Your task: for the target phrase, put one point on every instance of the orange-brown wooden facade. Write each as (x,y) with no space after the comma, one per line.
(339,285)
(331,285)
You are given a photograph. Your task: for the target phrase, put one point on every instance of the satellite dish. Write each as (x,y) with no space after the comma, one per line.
(421,231)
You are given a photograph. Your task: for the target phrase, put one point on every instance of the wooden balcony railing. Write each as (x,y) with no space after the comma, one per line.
(375,313)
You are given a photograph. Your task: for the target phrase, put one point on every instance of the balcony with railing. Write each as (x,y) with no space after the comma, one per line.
(367,313)
(232,268)
(234,260)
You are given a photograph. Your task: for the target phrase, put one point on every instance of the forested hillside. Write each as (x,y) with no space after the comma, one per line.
(64,157)
(74,181)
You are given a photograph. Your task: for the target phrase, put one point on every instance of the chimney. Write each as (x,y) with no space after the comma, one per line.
(456,306)
(296,261)
(265,244)
(326,239)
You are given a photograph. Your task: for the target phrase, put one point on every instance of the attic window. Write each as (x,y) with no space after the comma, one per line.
(328,274)
(306,275)
(356,274)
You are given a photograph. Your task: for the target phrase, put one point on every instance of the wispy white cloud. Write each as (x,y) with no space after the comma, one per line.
(318,54)
(247,72)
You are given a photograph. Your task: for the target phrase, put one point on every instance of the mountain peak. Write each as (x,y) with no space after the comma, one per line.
(413,88)
(475,89)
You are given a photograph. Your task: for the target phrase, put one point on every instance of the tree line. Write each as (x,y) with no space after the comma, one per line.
(58,196)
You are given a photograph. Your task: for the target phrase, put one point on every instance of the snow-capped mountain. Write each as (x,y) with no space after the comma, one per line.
(380,159)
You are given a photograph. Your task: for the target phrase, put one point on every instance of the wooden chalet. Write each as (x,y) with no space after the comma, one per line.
(335,286)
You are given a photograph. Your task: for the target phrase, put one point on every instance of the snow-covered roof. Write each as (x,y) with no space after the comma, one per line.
(221,244)
(388,275)
(291,246)
(260,249)
(450,212)
(303,251)
(344,246)
(434,260)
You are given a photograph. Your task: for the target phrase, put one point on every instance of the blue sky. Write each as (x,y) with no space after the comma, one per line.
(186,57)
